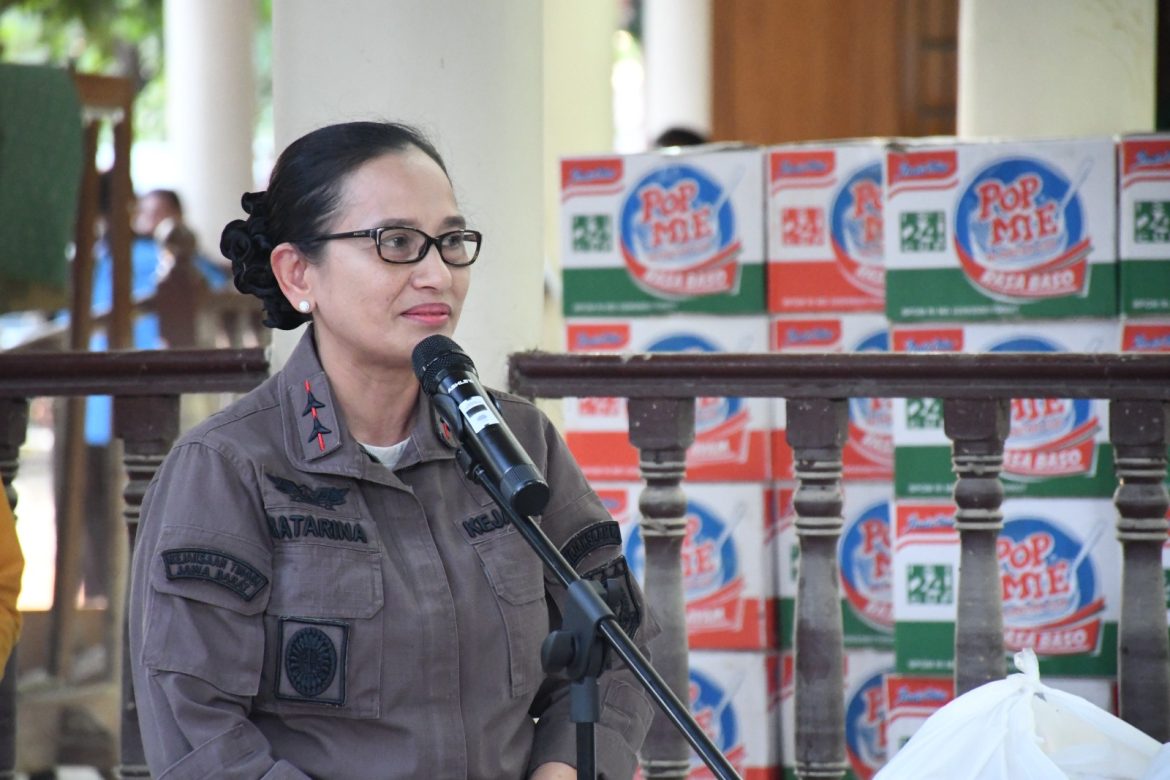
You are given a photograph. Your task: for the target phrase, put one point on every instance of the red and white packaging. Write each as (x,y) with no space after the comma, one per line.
(727,557)
(825,227)
(865,711)
(869,448)
(731,434)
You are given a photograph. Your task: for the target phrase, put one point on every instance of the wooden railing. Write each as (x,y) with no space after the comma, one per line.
(976,392)
(661,390)
(146,387)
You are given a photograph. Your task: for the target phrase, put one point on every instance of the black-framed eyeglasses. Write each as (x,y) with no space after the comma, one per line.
(405,245)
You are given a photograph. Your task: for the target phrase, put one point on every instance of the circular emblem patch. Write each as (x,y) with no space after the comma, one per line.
(310,661)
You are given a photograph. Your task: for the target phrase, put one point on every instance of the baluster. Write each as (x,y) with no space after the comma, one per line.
(147,426)
(816,433)
(662,429)
(1139,432)
(13,428)
(977,429)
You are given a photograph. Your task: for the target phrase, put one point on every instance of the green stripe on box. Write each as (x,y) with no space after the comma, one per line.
(925,472)
(947,295)
(1145,287)
(924,648)
(609,292)
(929,648)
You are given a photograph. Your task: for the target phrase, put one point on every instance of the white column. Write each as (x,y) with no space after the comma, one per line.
(211,109)
(578,118)
(676,37)
(468,75)
(1056,67)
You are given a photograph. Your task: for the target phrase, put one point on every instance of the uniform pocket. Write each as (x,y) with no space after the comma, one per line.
(324,627)
(515,573)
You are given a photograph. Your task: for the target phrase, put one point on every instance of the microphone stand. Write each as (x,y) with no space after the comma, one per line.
(575,649)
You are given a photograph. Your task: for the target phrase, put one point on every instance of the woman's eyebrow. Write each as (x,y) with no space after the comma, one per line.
(453,222)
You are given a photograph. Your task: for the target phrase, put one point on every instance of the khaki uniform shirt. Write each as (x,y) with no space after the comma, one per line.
(298,609)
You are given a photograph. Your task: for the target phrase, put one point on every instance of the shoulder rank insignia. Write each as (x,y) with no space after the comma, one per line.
(324,497)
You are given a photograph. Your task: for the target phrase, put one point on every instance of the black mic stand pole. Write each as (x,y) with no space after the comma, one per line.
(575,647)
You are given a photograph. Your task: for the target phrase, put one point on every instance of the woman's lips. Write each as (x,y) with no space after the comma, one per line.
(430,314)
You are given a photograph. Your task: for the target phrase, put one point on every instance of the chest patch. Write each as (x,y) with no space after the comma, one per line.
(195,563)
(312,661)
(324,497)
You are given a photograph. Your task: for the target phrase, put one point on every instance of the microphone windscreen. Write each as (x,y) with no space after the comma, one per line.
(433,356)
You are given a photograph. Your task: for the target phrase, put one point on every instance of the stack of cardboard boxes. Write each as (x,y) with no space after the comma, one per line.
(665,253)
(909,245)
(826,293)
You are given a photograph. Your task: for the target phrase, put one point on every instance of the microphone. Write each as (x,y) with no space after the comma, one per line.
(448,376)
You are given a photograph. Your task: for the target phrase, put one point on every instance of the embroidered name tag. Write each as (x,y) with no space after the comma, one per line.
(324,497)
(485,523)
(302,526)
(195,563)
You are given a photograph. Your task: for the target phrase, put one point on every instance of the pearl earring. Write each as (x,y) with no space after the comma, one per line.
(305,307)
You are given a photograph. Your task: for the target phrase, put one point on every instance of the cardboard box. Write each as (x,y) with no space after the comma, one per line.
(1057,447)
(731,434)
(656,233)
(735,697)
(1000,230)
(868,453)
(1143,224)
(865,716)
(727,560)
(1060,565)
(825,227)
(864,561)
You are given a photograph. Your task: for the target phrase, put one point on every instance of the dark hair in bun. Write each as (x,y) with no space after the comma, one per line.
(304,192)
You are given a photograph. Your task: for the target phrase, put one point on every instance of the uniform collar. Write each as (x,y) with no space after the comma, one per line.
(315,434)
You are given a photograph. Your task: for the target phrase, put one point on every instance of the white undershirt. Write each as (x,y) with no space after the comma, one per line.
(387,456)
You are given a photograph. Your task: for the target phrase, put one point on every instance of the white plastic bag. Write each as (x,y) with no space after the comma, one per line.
(1020,729)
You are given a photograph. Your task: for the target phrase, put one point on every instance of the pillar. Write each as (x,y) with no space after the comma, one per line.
(1056,67)
(676,36)
(211,109)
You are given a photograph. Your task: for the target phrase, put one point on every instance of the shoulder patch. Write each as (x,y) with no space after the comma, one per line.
(197,563)
(324,497)
(621,594)
(605,533)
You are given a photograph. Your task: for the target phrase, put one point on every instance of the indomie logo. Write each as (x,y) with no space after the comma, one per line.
(591,177)
(678,234)
(921,170)
(1020,231)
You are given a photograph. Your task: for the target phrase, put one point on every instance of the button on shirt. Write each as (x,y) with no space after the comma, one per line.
(299,610)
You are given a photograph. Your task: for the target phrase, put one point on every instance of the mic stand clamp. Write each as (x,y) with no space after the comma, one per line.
(573,652)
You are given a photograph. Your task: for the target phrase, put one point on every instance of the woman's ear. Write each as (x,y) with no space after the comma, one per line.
(289,266)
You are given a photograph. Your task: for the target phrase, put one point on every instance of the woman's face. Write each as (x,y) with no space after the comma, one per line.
(371,312)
